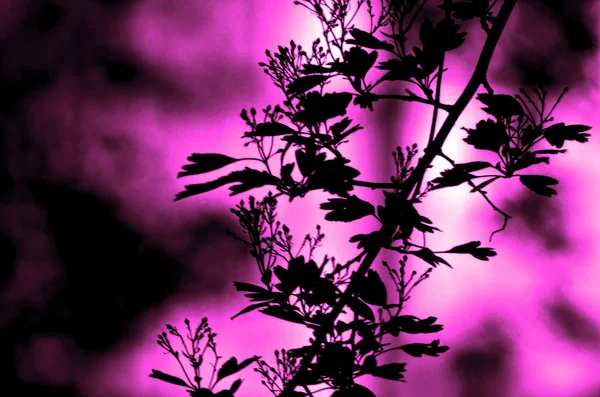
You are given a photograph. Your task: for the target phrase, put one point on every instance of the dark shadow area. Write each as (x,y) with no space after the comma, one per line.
(27,324)
(483,368)
(111,272)
(540,218)
(569,322)
(555,63)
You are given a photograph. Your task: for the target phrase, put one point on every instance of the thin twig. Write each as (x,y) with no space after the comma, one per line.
(478,189)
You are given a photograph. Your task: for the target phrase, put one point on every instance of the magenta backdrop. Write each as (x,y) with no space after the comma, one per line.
(200,68)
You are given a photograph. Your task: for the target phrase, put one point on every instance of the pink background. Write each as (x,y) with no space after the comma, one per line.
(512,323)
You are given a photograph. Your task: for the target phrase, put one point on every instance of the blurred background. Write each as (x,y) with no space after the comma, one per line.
(103,100)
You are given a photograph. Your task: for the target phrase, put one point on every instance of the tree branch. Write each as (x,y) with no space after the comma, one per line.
(479,75)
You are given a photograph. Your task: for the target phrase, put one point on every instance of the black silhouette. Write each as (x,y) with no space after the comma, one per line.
(310,127)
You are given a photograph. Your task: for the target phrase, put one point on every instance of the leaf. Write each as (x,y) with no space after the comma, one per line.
(473,166)
(404,69)
(369,242)
(315,69)
(448,36)
(319,108)
(235,386)
(358,62)
(393,371)
(203,392)
(372,290)
(472,248)
(501,106)
(367,40)
(168,378)
(432,349)
(467,10)
(339,127)
(354,391)
(284,314)
(248,179)
(305,83)
(231,367)
(361,309)
(347,209)
(250,308)
(527,160)
(411,325)
(488,135)
(539,184)
(205,162)
(272,129)
(557,134)
(309,161)
(451,177)
(241,286)
(428,256)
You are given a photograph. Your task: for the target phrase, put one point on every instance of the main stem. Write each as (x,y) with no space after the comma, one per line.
(433,149)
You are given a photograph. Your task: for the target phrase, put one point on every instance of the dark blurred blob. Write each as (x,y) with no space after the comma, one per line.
(566,318)
(27,324)
(8,258)
(553,63)
(483,367)
(541,218)
(112,273)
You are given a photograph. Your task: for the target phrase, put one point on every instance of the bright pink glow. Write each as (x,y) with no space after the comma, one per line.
(183,41)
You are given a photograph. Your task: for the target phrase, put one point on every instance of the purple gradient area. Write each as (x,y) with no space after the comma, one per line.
(524,324)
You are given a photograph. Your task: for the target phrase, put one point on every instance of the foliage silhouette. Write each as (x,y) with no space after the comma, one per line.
(313,122)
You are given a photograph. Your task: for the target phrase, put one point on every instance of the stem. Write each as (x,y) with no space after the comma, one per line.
(479,75)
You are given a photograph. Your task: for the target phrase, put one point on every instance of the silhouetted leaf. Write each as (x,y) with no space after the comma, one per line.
(318,108)
(235,386)
(284,313)
(305,83)
(205,162)
(473,166)
(488,135)
(309,161)
(361,309)
(451,177)
(368,242)
(202,392)
(372,290)
(248,179)
(354,391)
(527,160)
(231,367)
(241,286)
(250,308)
(467,10)
(333,176)
(411,325)
(272,129)
(367,40)
(500,106)
(557,134)
(473,248)
(339,127)
(358,62)
(539,184)
(428,256)
(315,69)
(404,69)
(448,36)
(393,371)
(347,209)
(168,378)
(432,349)
(530,133)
